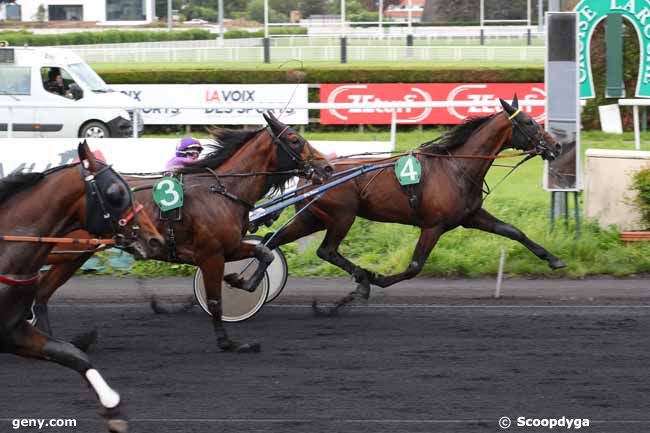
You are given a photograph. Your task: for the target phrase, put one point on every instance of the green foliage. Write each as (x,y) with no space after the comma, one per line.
(41,14)
(255,12)
(641,184)
(312,7)
(20,38)
(191,12)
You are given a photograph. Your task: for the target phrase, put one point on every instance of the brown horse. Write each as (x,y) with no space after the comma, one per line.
(449,195)
(62,199)
(220,190)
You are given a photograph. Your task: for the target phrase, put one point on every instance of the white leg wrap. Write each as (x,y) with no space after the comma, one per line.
(107,397)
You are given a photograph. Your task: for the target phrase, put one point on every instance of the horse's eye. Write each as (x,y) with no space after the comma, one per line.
(293,138)
(115,194)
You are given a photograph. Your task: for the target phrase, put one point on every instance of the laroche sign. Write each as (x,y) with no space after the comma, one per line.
(590,13)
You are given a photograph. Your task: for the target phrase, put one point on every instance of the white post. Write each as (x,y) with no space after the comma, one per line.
(10,123)
(637,133)
(136,112)
(221,29)
(393,129)
(540,16)
(482,12)
(169,15)
(266,18)
(342,18)
(529,13)
(410,16)
(502,259)
(381,19)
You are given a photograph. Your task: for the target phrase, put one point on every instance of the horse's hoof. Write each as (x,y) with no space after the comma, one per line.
(156,307)
(234,280)
(84,341)
(324,312)
(117,426)
(234,347)
(556,264)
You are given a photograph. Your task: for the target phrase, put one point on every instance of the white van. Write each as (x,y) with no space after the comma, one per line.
(30,76)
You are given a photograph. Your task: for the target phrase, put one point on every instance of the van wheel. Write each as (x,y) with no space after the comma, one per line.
(94,130)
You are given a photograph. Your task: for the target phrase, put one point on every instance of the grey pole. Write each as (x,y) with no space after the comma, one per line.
(344,42)
(540,15)
(553,5)
(267,41)
(482,12)
(169,15)
(381,19)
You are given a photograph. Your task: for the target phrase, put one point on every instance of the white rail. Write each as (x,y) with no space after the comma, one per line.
(394,106)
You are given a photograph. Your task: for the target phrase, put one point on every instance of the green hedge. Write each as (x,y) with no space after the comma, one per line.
(21,38)
(322,75)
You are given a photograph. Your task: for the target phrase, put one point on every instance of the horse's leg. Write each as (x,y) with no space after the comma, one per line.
(483,220)
(304,224)
(428,239)
(25,340)
(54,278)
(212,269)
(262,253)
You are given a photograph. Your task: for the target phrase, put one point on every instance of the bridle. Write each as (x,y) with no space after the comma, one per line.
(537,141)
(288,152)
(101,215)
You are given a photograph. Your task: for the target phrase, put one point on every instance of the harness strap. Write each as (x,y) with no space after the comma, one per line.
(49,240)
(515,114)
(14,282)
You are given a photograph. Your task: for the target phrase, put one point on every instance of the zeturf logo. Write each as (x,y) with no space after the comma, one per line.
(424,92)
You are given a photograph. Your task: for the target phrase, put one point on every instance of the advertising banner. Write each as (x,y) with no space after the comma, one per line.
(423,92)
(155,96)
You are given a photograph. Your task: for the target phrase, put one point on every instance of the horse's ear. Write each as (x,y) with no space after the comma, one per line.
(515,101)
(272,116)
(86,157)
(266,117)
(507,107)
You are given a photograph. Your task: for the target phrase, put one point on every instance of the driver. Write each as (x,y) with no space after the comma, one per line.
(188,150)
(55,83)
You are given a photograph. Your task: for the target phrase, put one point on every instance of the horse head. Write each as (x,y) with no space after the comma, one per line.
(109,208)
(293,151)
(527,134)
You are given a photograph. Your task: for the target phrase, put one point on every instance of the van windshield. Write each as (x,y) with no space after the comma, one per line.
(90,77)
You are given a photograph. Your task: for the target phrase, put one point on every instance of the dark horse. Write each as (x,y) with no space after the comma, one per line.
(87,195)
(220,190)
(449,195)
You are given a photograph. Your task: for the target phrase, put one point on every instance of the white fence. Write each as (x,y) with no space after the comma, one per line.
(328,53)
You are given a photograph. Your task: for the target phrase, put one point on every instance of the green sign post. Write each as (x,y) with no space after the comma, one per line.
(168,193)
(590,13)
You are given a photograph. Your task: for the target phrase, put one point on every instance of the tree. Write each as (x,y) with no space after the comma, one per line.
(312,7)
(41,14)
(255,12)
(191,12)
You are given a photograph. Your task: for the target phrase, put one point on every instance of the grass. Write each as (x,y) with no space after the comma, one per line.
(520,200)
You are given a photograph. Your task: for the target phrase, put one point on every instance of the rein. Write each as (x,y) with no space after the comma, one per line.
(50,240)
(428,154)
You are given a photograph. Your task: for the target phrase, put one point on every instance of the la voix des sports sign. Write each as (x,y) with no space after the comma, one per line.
(208,96)
(424,92)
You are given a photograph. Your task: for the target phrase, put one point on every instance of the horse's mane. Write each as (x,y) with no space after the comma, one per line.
(457,136)
(225,143)
(17,182)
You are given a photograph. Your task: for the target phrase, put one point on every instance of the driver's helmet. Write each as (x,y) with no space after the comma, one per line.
(188,147)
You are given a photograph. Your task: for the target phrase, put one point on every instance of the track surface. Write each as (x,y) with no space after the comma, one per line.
(428,356)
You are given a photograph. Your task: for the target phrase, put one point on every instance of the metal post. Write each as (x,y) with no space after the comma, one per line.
(529,13)
(221,28)
(410,16)
(565,196)
(529,36)
(540,15)
(502,259)
(553,5)
(482,13)
(644,118)
(344,42)
(169,15)
(637,134)
(576,208)
(552,213)
(393,129)
(267,50)
(266,41)
(482,36)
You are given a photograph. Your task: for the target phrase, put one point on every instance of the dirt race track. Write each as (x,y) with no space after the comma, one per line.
(428,356)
